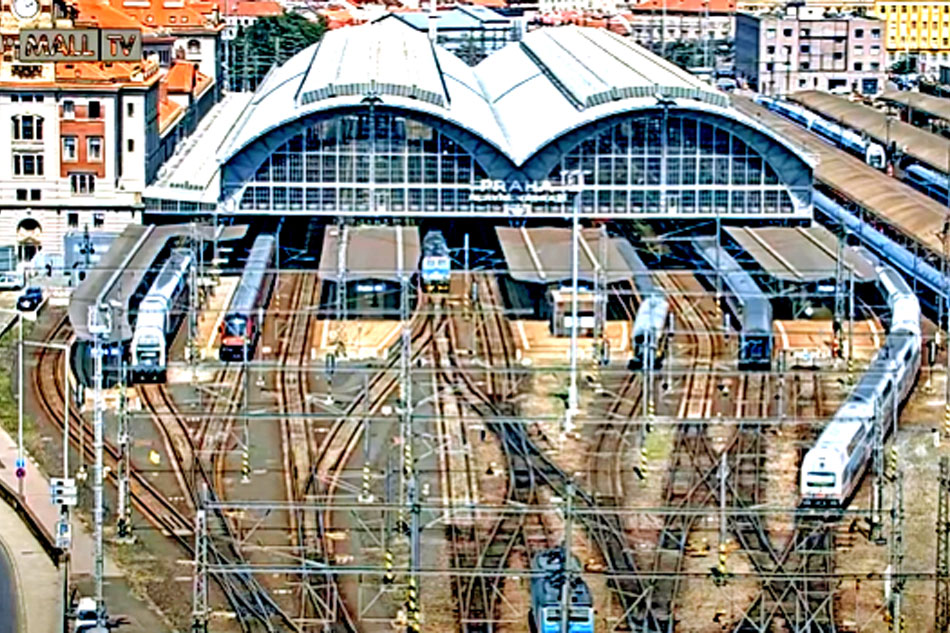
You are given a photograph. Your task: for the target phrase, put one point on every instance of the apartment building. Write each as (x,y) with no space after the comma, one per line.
(919,30)
(655,22)
(781,53)
(84,138)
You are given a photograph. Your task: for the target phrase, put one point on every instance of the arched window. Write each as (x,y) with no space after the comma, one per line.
(194,47)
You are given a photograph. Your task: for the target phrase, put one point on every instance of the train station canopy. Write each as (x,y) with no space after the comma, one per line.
(937,107)
(919,144)
(799,254)
(369,252)
(916,216)
(118,275)
(543,255)
(513,119)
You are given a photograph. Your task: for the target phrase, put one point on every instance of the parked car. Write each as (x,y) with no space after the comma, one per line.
(30,300)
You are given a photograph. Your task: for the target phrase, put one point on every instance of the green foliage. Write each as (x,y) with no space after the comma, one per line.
(904,65)
(270,40)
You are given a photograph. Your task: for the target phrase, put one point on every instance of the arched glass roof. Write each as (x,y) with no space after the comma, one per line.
(518,100)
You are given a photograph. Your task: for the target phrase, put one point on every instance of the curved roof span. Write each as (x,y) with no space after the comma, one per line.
(518,101)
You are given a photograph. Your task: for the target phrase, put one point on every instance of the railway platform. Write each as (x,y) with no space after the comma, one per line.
(113,283)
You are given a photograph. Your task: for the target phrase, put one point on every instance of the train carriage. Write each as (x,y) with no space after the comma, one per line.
(159,314)
(436,263)
(749,305)
(832,469)
(242,323)
(649,336)
(547,581)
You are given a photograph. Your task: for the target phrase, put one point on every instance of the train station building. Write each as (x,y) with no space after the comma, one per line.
(376,121)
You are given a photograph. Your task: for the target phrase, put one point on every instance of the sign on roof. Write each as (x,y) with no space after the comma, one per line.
(80,45)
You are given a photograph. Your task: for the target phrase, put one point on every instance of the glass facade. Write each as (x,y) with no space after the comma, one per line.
(707,170)
(637,165)
(330,167)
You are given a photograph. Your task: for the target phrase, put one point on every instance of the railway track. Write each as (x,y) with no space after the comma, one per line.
(249,600)
(529,468)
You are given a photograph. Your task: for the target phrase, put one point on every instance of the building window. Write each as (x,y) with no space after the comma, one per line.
(859,50)
(859,32)
(21,195)
(770,34)
(837,55)
(94,149)
(194,47)
(69,148)
(805,33)
(72,219)
(858,66)
(875,66)
(769,66)
(95,110)
(34,194)
(770,50)
(805,65)
(82,183)
(130,109)
(27,164)
(27,127)
(131,145)
(69,110)
(98,219)
(805,48)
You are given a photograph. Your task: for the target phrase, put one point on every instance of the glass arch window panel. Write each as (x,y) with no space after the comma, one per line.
(369,164)
(687,166)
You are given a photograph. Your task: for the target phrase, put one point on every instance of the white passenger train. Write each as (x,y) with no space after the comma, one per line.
(159,315)
(832,469)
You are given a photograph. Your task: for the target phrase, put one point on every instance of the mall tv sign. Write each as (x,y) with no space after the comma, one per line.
(80,45)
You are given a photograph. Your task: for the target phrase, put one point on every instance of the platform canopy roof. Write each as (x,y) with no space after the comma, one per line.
(928,148)
(543,255)
(369,252)
(119,273)
(519,99)
(934,106)
(800,254)
(916,215)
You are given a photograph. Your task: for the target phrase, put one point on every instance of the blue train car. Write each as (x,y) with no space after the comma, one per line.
(547,582)
(747,303)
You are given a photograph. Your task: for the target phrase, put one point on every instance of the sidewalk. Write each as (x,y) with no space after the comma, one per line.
(37,584)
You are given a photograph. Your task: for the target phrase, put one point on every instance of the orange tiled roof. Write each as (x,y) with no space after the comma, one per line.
(168,111)
(687,6)
(109,73)
(337,18)
(184,77)
(254,8)
(104,15)
(157,15)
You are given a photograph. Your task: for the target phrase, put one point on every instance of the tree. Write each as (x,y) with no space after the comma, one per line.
(268,42)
